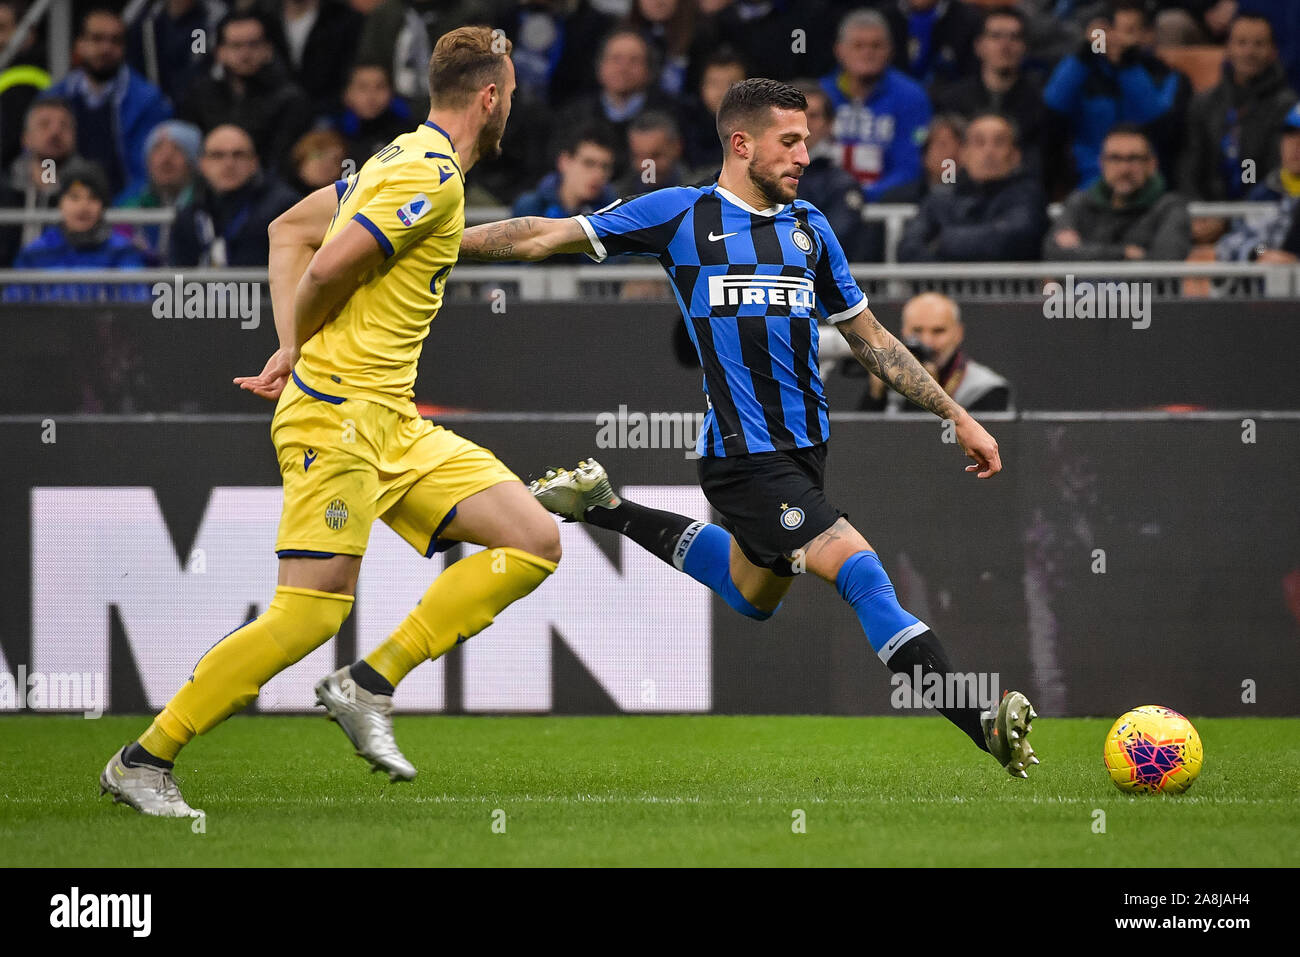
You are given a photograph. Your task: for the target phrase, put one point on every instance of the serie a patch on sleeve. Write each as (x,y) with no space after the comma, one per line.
(413,209)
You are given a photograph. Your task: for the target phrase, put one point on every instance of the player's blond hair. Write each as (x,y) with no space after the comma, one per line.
(464,61)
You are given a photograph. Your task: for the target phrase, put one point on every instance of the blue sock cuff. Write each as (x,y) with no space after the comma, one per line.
(862,582)
(732,596)
(704,553)
(847,574)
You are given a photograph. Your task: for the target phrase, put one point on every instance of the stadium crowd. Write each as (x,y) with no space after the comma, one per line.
(981,113)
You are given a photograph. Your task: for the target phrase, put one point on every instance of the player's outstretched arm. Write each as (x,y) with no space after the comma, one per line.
(528,238)
(294,237)
(883,355)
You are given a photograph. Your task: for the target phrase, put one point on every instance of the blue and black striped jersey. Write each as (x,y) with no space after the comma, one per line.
(751,285)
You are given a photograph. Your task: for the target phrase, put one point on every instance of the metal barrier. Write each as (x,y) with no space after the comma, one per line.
(894,216)
(619,282)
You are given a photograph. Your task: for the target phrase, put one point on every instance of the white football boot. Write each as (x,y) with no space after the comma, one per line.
(367,720)
(148,789)
(570,493)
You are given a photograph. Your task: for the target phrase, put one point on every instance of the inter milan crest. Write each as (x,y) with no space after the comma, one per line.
(336,516)
(800,239)
(791,518)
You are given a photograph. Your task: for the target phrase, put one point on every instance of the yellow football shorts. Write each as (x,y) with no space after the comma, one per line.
(346,462)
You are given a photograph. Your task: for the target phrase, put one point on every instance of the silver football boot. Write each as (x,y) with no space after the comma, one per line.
(367,720)
(1006,731)
(148,789)
(571,492)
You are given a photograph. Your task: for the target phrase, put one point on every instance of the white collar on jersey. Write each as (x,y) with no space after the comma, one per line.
(733,198)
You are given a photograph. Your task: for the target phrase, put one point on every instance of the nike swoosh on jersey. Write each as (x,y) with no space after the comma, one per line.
(714,239)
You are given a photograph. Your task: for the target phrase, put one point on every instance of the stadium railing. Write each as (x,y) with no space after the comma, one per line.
(894,216)
(623,282)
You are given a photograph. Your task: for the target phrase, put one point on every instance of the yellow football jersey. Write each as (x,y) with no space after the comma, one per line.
(411,197)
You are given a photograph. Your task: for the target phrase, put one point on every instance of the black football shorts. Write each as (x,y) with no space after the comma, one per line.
(772,503)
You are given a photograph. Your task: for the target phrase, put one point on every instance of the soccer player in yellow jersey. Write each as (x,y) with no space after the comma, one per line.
(357,271)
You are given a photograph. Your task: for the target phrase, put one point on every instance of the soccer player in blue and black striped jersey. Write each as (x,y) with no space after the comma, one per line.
(754,269)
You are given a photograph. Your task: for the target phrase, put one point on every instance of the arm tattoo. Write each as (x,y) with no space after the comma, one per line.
(495,240)
(900,370)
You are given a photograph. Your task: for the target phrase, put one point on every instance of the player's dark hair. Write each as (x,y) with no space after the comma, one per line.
(812,90)
(464,61)
(748,105)
(995,115)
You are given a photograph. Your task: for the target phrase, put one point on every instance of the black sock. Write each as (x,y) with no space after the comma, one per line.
(655,531)
(924,650)
(136,755)
(371,680)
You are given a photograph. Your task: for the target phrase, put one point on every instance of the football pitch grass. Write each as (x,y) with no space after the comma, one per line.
(664,791)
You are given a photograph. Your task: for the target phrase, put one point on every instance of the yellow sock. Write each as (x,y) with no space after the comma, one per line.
(460,603)
(233,670)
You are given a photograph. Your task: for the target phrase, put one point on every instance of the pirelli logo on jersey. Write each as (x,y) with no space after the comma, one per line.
(736,290)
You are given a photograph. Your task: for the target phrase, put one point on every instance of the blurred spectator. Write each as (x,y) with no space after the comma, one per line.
(554,41)
(668,27)
(321,39)
(371,115)
(1263,236)
(1191,22)
(995,213)
(654,146)
(942,148)
(172,156)
(1127,213)
(80,240)
(933,40)
(49,142)
(393,35)
(317,160)
(225,222)
(1001,85)
(580,182)
(933,331)
(830,188)
(626,89)
(1239,119)
(1109,80)
(880,113)
(115,107)
(1284,16)
(20,82)
(782,39)
(160,43)
(249,88)
(700,113)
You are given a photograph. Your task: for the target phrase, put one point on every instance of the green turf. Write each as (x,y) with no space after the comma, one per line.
(647,790)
